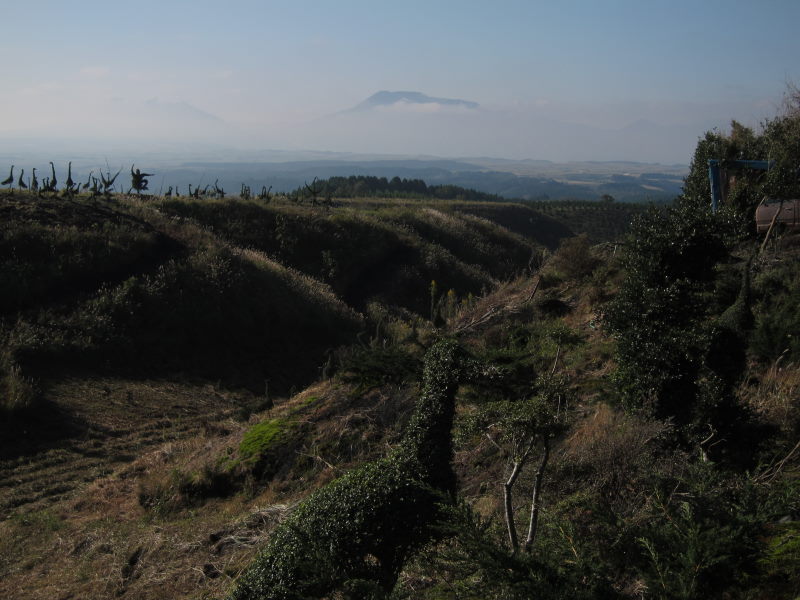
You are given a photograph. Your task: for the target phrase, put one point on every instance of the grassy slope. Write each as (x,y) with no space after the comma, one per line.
(150,491)
(382,251)
(51,249)
(186,546)
(120,291)
(126,288)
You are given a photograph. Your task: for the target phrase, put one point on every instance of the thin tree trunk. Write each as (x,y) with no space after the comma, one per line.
(536,498)
(512,528)
(516,469)
(771,225)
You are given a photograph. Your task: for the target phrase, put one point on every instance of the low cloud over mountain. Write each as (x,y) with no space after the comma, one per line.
(387,122)
(413,100)
(414,123)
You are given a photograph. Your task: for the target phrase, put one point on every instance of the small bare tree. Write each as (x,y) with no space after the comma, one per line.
(71,187)
(520,429)
(52,183)
(107,181)
(218,191)
(265,194)
(245,194)
(314,190)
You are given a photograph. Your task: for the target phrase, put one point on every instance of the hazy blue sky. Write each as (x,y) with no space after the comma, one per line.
(546,74)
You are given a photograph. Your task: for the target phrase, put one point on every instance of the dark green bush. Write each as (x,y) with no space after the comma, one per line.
(777,332)
(362,527)
(477,565)
(777,327)
(574,257)
(704,541)
(660,316)
(780,562)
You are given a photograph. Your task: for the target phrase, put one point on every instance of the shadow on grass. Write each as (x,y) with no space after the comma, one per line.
(38,429)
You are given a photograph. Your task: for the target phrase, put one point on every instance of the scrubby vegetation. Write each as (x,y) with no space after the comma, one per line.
(600,221)
(356,533)
(386,253)
(195,305)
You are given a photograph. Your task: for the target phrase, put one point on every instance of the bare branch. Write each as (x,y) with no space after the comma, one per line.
(535,499)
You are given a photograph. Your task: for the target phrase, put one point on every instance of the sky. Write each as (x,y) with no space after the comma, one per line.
(568,80)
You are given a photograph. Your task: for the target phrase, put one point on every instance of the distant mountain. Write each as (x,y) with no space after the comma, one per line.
(179,110)
(384,98)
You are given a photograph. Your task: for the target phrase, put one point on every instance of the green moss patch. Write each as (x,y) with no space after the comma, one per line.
(263,445)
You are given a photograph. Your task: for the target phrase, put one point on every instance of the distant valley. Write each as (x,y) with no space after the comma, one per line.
(285,171)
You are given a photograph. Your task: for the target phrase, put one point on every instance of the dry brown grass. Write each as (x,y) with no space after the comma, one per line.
(97,541)
(508,299)
(609,452)
(775,395)
(113,548)
(89,428)
(71,521)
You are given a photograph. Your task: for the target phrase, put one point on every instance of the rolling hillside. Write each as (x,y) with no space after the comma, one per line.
(177,374)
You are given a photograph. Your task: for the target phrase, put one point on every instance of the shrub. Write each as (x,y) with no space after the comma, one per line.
(574,257)
(660,313)
(371,367)
(777,331)
(705,543)
(780,562)
(776,291)
(476,564)
(19,394)
(164,493)
(358,531)
(548,278)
